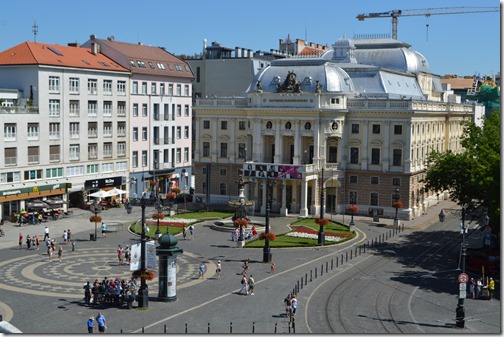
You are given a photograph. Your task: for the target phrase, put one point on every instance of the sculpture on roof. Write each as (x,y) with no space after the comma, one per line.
(290,84)
(259,86)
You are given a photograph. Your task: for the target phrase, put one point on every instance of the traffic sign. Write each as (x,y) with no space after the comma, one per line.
(463,278)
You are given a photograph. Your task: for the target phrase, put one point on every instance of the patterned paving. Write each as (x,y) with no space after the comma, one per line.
(36,275)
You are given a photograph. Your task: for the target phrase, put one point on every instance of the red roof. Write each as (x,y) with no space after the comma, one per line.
(57,55)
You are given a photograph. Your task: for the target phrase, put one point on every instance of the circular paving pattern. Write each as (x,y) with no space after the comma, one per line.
(35,274)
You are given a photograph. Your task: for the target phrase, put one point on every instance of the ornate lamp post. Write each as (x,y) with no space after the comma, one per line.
(143,292)
(158,216)
(396,205)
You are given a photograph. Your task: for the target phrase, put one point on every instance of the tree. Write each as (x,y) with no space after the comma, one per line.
(473,176)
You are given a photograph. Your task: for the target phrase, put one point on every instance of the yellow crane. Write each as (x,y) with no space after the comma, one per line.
(396,13)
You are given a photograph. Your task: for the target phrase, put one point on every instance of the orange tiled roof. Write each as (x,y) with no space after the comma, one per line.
(310,51)
(57,55)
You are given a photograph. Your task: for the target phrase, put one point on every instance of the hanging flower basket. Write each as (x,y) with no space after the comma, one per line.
(269,236)
(243,222)
(397,204)
(158,216)
(170,196)
(153,182)
(95,218)
(353,209)
(175,190)
(147,275)
(322,221)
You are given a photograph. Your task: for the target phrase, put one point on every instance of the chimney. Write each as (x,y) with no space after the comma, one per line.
(95,48)
(251,53)
(74,44)
(238,52)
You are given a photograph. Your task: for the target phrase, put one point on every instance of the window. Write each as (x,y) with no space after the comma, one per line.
(144,133)
(178,155)
(107,87)
(134,159)
(144,110)
(373,199)
(54,107)
(107,129)
(135,134)
(144,158)
(135,110)
(121,109)
(333,154)
(107,108)
(179,132)
(397,129)
(153,88)
(107,150)
(186,154)
(74,130)
(396,181)
(396,157)
(92,129)
(352,179)
(375,156)
(223,150)
(334,100)
(33,154)
(56,172)
(206,124)
(355,128)
(74,108)
(93,169)
(33,131)
(186,132)
(222,171)
(354,155)
(107,167)
(242,151)
(92,108)
(54,84)
(121,88)
(141,64)
(75,171)
(186,110)
(74,85)
(170,89)
(375,180)
(92,86)
(10,155)
(144,88)
(54,130)
(74,152)
(223,189)
(376,128)
(186,90)
(92,151)
(179,110)
(54,153)
(134,89)
(241,125)
(121,166)
(161,87)
(32,174)
(10,177)
(206,149)
(223,125)
(9,132)
(121,149)
(179,90)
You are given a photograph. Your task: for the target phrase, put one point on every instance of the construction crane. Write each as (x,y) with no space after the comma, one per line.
(396,13)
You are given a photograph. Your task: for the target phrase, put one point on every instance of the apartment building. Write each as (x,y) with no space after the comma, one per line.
(64,124)
(355,125)
(161,111)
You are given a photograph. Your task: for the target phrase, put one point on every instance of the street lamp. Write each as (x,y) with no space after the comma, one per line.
(159,209)
(321,234)
(143,292)
(459,311)
(396,197)
(352,202)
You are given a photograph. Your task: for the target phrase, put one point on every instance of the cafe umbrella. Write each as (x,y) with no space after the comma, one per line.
(36,204)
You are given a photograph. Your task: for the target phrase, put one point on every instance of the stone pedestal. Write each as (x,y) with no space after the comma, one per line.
(240,244)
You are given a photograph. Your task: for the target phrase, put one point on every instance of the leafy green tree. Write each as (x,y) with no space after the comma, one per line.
(473,176)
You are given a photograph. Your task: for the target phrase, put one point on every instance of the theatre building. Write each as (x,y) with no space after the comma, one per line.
(356,124)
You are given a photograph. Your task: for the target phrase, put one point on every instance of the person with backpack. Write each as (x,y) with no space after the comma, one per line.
(244,284)
(191,231)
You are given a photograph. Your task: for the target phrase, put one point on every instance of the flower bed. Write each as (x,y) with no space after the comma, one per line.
(170,222)
(312,234)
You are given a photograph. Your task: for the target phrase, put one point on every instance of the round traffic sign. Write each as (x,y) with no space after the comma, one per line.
(463,278)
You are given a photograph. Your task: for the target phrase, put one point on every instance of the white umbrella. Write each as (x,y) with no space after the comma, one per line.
(100,194)
(116,191)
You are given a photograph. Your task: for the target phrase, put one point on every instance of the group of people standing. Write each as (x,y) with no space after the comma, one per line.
(478,288)
(33,242)
(191,232)
(100,320)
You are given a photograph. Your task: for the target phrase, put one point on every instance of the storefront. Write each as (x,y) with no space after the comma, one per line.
(14,200)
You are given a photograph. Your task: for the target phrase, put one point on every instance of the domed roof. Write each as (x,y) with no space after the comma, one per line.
(343,42)
(306,73)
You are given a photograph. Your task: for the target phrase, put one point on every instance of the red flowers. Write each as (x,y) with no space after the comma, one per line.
(95,218)
(147,274)
(397,204)
(322,221)
(353,209)
(243,222)
(158,216)
(171,196)
(270,236)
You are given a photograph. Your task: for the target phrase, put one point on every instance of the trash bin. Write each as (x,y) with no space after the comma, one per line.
(92,237)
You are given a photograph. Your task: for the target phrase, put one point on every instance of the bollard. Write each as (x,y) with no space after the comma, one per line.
(386,236)
(315,272)
(383,238)
(337,262)
(165,328)
(121,331)
(276,324)
(351,253)
(346,258)
(230,327)
(311,275)
(365,247)
(332,264)
(301,282)
(355,252)
(305,278)
(341,258)
(186,327)
(253,327)
(142,329)
(326,266)
(294,325)
(289,325)
(298,285)
(360,250)
(321,269)
(208,327)
(73,246)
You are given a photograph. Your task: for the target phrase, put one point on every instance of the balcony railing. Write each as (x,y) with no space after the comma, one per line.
(19,110)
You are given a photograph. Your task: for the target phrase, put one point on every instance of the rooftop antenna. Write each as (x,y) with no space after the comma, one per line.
(35,31)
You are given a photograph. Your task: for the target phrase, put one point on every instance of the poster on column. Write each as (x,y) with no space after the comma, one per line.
(135,257)
(150,258)
(172,276)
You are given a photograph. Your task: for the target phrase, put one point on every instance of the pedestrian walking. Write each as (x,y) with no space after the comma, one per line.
(219,269)
(244,284)
(102,322)
(49,253)
(272,268)
(202,269)
(294,305)
(479,286)
(28,241)
(37,242)
(20,240)
(287,304)
(33,241)
(46,233)
(191,231)
(69,234)
(245,266)
(472,288)
(184,233)
(87,293)
(90,325)
(127,255)
(120,254)
(491,287)
(251,283)
(60,253)
(65,237)
(104,230)
(40,218)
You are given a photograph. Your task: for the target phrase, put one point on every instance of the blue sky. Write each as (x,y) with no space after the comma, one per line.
(463,44)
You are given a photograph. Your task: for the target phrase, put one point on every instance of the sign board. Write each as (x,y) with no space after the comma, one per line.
(150,257)
(463,278)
